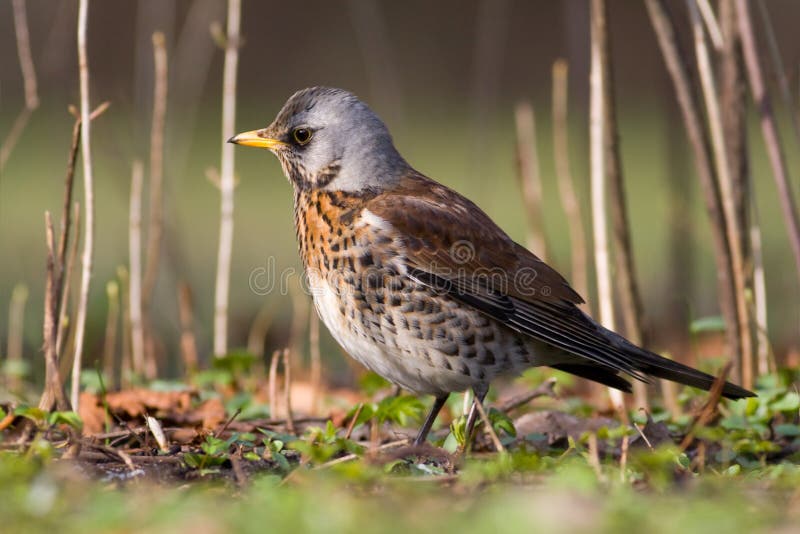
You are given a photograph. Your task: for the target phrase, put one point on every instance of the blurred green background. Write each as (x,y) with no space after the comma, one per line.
(444,76)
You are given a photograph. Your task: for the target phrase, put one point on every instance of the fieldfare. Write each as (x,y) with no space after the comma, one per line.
(416,282)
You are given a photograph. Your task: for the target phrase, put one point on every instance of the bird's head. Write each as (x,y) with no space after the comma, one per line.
(327,138)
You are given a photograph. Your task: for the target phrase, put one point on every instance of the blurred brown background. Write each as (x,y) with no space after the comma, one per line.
(444,75)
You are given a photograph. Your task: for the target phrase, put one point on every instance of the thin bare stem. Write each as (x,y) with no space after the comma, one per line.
(88,182)
(112,322)
(779,67)
(714,31)
(156,208)
(53,393)
(227,185)
(498,445)
(733,98)
(257,336)
(759,294)
(769,129)
(744,365)
(625,271)
(126,364)
(272,388)
(135,260)
(24,53)
(16,327)
(316,360)
(29,79)
(66,285)
(566,188)
(689,102)
(598,132)
(188,341)
(530,178)
(287,390)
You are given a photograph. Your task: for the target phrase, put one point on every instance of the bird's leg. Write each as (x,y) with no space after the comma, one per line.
(480,392)
(426,426)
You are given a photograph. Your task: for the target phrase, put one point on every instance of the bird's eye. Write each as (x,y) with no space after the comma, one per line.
(302,135)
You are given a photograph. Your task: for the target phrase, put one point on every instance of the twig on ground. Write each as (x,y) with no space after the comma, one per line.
(498,445)
(546,389)
(353,420)
(228,422)
(221,295)
(351,457)
(706,413)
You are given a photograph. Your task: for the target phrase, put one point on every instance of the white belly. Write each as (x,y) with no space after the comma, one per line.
(394,359)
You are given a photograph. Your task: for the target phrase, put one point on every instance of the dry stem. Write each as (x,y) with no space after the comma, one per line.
(733,227)
(29,79)
(88,240)
(530,176)
(221,295)
(155,224)
(689,103)
(625,272)
(188,341)
(316,360)
(16,326)
(112,322)
(135,259)
(53,391)
(598,132)
(769,129)
(569,200)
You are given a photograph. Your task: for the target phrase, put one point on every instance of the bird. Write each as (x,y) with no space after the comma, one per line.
(420,285)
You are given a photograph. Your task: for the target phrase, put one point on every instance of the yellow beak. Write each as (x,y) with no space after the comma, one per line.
(256,138)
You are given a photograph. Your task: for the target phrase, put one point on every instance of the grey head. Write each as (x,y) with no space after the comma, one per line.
(327,138)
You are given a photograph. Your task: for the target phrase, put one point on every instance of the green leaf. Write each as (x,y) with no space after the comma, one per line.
(502,423)
(68,418)
(236,362)
(715,323)
(30,412)
(788,403)
(788,430)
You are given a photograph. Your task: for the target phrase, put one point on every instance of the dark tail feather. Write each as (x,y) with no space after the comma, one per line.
(660,367)
(606,376)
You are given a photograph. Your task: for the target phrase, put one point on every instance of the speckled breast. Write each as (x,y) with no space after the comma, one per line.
(402,330)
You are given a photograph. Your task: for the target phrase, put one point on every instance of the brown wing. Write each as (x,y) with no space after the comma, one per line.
(454,247)
(448,235)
